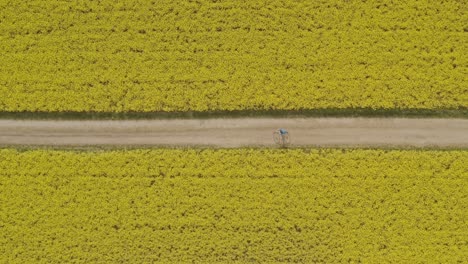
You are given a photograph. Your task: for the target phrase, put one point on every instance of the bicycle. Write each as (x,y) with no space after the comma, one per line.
(282,139)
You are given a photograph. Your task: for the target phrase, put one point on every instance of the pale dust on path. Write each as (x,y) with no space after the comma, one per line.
(238,132)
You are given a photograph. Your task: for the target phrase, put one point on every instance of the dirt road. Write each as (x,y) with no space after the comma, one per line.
(240,132)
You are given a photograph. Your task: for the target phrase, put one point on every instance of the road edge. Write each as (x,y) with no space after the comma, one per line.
(330,112)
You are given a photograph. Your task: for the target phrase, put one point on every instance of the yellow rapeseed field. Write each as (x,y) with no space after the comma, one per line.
(240,205)
(118,56)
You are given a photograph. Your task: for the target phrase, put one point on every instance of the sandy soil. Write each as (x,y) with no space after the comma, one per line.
(240,132)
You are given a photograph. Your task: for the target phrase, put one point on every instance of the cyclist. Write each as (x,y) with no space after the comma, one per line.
(283,133)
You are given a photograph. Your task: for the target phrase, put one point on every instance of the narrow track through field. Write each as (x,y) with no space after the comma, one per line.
(238,132)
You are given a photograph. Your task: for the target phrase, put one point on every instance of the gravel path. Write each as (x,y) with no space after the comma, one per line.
(236,132)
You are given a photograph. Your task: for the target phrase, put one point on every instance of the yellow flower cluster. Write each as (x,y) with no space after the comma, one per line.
(239,205)
(144,56)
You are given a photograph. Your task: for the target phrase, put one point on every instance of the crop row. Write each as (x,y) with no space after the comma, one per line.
(242,205)
(114,56)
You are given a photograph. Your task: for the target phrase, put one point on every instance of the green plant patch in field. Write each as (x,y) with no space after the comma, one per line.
(169,56)
(211,206)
